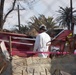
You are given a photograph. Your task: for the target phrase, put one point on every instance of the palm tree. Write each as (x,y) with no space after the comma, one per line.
(36,22)
(23,29)
(64,18)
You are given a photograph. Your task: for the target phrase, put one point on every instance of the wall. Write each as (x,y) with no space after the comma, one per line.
(31,66)
(62,65)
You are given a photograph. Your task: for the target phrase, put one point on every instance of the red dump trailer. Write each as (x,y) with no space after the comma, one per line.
(22,45)
(18,44)
(61,39)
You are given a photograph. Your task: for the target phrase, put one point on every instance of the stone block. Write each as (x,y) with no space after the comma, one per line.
(35,60)
(29,69)
(29,61)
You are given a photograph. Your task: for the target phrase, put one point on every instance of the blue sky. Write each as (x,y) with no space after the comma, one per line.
(46,7)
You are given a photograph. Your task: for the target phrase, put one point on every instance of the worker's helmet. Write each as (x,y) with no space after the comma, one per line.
(43,27)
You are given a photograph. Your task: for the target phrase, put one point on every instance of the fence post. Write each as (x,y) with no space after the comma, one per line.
(10,45)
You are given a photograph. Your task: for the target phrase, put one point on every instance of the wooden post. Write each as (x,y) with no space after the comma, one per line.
(33,71)
(46,72)
(10,46)
(22,72)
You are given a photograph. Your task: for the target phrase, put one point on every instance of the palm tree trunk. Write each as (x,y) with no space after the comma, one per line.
(68,24)
(72,27)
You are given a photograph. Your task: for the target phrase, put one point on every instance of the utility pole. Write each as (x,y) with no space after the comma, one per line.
(71,16)
(18,17)
(71,12)
(19,7)
(72,28)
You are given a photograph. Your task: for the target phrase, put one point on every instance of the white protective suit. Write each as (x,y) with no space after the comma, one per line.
(41,44)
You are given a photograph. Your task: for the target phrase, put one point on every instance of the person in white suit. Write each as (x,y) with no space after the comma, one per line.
(41,42)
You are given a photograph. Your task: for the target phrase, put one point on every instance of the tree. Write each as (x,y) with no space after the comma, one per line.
(23,29)
(2,20)
(64,18)
(33,25)
(4,17)
(36,22)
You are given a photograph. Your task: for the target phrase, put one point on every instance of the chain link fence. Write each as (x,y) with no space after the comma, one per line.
(30,8)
